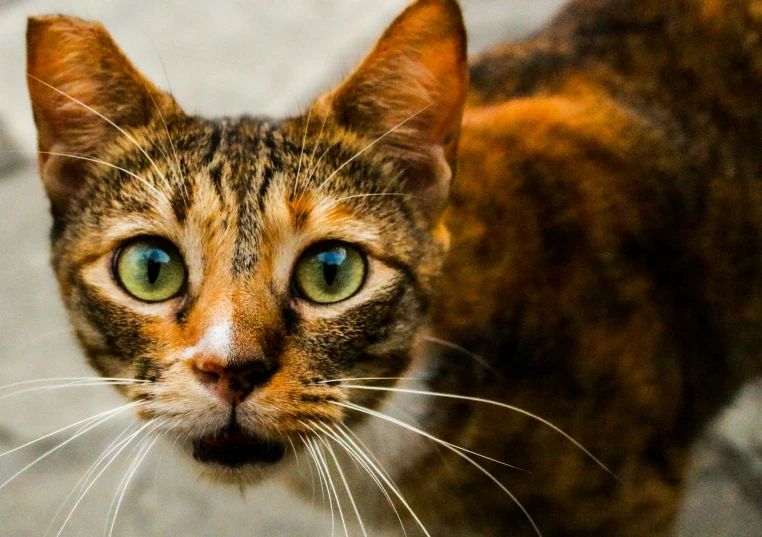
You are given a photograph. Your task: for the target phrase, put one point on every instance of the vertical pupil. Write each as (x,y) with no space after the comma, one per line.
(153,265)
(332,260)
(329,273)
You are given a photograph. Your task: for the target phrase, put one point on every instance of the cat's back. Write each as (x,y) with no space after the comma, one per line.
(606,228)
(606,245)
(608,162)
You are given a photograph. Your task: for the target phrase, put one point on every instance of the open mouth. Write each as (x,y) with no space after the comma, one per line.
(233,448)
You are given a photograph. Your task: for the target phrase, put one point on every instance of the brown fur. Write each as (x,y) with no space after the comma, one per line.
(604,233)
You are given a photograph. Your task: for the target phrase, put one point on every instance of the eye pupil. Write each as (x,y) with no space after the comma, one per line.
(332,260)
(152,270)
(329,273)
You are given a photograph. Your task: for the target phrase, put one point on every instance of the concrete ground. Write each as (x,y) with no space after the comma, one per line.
(221,58)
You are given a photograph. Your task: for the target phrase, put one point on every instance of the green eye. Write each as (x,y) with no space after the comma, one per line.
(330,272)
(150,269)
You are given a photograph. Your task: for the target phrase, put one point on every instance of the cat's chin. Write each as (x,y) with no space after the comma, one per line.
(234,457)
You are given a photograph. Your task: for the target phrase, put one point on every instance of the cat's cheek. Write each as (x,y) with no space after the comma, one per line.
(88,334)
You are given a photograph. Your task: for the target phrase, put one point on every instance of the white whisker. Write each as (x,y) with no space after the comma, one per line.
(369,459)
(301,154)
(293,448)
(178,170)
(108,414)
(489,402)
(330,481)
(346,487)
(324,481)
(310,171)
(73,384)
(103,162)
(69,379)
(80,484)
(148,444)
(402,194)
(107,120)
(126,442)
(312,474)
(357,451)
(479,359)
(455,446)
(319,160)
(458,451)
(357,456)
(365,378)
(370,145)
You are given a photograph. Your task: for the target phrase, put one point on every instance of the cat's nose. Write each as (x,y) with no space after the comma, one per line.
(232,382)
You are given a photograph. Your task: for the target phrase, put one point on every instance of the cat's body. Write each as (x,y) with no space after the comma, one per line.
(607,222)
(603,269)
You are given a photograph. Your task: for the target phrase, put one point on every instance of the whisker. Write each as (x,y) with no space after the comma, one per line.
(309,172)
(479,359)
(166,129)
(80,484)
(108,414)
(103,162)
(386,478)
(293,448)
(107,120)
(346,487)
(80,432)
(455,446)
(324,481)
(372,194)
(56,379)
(330,381)
(74,384)
(148,445)
(312,474)
(333,486)
(354,447)
(356,454)
(319,160)
(489,402)
(454,449)
(126,442)
(301,154)
(139,447)
(370,145)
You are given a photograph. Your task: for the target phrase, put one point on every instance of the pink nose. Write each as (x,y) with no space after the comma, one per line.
(232,383)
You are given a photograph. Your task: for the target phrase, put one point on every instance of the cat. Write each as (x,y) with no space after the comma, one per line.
(549,258)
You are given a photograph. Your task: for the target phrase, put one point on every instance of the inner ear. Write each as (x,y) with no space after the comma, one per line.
(408,95)
(85,93)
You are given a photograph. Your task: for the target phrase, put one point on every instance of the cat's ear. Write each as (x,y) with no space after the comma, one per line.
(81,85)
(409,94)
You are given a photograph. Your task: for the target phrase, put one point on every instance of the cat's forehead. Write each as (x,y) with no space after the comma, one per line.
(245,189)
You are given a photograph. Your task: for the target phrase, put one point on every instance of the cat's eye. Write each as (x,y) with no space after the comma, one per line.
(330,272)
(150,269)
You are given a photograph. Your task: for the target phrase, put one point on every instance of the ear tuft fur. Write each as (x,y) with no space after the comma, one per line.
(411,91)
(76,74)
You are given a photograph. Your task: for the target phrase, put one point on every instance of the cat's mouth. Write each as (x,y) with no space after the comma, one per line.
(234,448)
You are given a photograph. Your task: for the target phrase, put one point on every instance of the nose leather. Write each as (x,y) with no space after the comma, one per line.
(232,383)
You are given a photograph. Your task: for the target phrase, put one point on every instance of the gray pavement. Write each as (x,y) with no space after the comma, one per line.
(221,58)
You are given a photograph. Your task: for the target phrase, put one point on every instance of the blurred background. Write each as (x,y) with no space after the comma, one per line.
(222,58)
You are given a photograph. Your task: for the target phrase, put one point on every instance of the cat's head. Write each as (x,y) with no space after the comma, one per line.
(234,266)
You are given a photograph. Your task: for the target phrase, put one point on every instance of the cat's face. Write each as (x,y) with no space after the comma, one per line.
(235,268)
